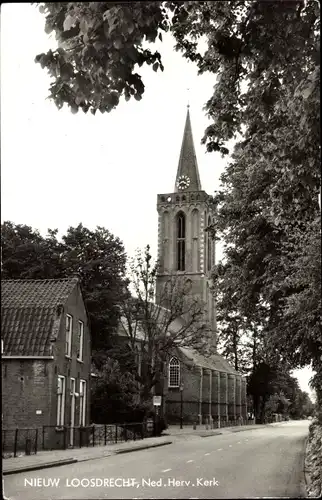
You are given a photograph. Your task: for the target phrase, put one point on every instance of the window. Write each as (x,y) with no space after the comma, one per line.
(69,328)
(60,400)
(209,247)
(82,403)
(195,224)
(72,386)
(181,244)
(80,341)
(174,373)
(166,231)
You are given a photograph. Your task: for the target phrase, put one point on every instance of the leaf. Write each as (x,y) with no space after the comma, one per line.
(130,28)
(118,43)
(69,22)
(78,100)
(308,91)
(98,46)
(137,97)
(83,26)
(48,29)
(155,66)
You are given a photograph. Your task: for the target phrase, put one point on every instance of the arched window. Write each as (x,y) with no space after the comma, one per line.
(174,373)
(181,241)
(195,225)
(209,247)
(165,232)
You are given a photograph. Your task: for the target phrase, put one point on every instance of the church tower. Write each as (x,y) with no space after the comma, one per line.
(184,247)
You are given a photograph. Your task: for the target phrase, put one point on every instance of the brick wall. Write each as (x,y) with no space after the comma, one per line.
(190,377)
(31,384)
(226,398)
(26,385)
(71,367)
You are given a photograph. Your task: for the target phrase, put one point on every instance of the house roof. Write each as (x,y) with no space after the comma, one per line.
(31,313)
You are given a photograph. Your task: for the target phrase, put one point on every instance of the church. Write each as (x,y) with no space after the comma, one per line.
(196,388)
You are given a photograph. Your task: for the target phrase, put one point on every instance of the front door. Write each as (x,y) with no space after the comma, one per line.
(72,411)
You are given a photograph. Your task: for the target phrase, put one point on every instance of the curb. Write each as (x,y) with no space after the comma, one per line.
(48,465)
(109,454)
(139,448)
(218,433)
(69,461)
(223,430)
(252,429)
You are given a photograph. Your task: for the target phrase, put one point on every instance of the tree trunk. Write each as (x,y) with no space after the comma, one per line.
(256,407)
(235,351)
(254,350)
(262,410)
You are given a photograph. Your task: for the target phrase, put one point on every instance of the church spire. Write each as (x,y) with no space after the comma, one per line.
(188,172)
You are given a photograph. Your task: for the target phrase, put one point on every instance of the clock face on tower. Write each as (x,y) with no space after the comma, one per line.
(183,182)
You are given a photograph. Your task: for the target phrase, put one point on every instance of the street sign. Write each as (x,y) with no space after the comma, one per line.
(156,400)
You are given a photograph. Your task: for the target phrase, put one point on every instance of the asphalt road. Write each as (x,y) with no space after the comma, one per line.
(266,462)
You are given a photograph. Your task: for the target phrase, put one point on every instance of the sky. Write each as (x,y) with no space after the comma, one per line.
(59,169)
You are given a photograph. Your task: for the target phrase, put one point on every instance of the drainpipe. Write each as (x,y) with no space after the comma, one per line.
(200,396)
(210,399)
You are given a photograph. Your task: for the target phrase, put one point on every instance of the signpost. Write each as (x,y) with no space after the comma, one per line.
(156,403)
(157,400)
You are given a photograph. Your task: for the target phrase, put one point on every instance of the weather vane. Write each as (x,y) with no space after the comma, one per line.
(188,105)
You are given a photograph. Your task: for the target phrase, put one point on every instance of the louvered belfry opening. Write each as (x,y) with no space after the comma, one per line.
(181,241)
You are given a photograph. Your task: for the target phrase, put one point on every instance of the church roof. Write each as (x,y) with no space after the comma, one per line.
(188,166)
(212,362)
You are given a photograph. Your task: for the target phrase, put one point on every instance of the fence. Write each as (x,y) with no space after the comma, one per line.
(18,441)
(29,441)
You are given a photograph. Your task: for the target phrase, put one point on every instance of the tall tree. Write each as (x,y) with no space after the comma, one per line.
(266,57)
(99,259)
(273,390)
(27,254)
(159,324)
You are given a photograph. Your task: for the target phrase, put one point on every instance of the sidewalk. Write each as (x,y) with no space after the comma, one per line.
(55,458)
(174,431)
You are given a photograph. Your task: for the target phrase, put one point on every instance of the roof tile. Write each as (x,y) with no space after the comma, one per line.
(28,311)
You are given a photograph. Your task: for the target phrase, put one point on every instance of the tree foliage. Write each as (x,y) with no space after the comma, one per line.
(274,390)
(267,210)
(265,55)
(115,396)
(100,45)
(97,257)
